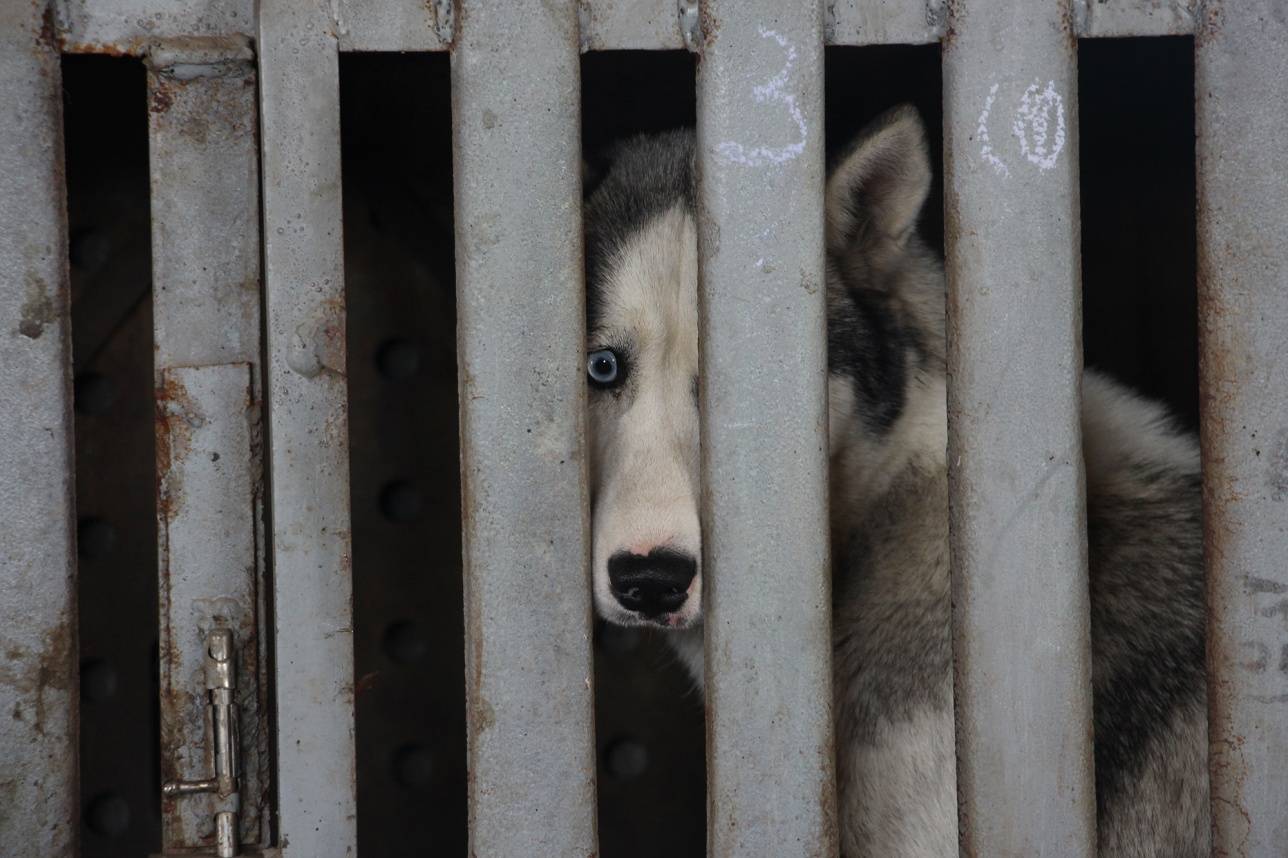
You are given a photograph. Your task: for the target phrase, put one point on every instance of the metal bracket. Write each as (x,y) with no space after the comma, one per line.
(690,24)
(221,683)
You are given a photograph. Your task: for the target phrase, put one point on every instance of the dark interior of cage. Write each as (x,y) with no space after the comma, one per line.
(1136,149)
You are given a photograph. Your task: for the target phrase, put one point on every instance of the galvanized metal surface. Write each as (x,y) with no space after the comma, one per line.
(209,488)
(883,22)
(38,676)
(521,341)
(770,768)
(407,25)
(642,24)
(1113,18)
(1241,81)
(204,164)
(128,26)
(306,390)
(1017,509)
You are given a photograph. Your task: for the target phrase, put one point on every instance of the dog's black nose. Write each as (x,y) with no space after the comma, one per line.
(652,584)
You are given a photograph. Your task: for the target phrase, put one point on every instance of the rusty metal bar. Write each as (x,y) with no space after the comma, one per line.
(770,769)
(306,391)
(204,163)
(1241,81)
(38,676)
(1017,510)
(521,339)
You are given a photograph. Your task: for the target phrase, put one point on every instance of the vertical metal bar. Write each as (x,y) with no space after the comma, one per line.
(770,770)
(206,315)
(308,427)
(1241,80)
(1017,509)
(38,694)
(521,338)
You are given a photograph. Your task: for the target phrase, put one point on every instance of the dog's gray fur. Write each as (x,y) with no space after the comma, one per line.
(892,654)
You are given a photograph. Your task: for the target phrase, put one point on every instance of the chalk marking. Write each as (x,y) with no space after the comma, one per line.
(1032,125)
(772,90)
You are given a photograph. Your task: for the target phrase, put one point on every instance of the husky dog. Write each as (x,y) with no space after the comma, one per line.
(889,501)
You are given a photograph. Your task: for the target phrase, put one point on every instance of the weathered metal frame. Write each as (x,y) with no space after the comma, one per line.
(1241,213)
(1241,86)
(127,26)
(516,101)
(1017,518)
(306,390)
(204,164)
(38,651)
(762,291)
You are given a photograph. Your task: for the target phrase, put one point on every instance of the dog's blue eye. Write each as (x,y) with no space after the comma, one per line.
(603,369)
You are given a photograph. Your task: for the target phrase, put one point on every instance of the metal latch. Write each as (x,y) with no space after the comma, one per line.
(221,683)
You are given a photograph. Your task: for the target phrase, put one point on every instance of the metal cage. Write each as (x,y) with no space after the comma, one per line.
(253,434)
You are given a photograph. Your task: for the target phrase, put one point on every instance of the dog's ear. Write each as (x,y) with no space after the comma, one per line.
(877,188)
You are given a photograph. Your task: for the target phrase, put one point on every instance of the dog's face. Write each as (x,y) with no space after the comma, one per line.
(642,349)
(642,367)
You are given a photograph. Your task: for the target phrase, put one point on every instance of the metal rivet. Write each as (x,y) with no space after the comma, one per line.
(95,538)
(98,680)
(413,766)
(626,758)
(398,359)
(108,814)
(405,642)
(94,393)
(401,501)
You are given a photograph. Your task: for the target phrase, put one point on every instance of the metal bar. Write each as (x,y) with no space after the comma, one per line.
(38,676)
(884,22)
(1116,18)
(308,427)
(1016,486)
(418,25)
(1241,81)
(129,26)
(521,341)
(608,25)
(206,318)
(770,769)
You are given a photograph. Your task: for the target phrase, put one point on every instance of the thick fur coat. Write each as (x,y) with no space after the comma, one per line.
(889,499)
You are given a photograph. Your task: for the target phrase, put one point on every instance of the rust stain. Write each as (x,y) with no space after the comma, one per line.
(1207,27)
(162,96)
(367,682)
(38,310)
(176,416)
(1229,769)
(133,47)
(48,37)
(830,835)
(708,26)
(34,675)
(482,715)
(1069,26)
(954,11)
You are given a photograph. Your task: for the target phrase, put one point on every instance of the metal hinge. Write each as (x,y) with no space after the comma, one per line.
(221,683)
